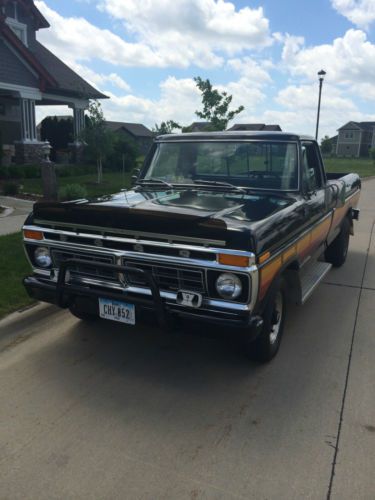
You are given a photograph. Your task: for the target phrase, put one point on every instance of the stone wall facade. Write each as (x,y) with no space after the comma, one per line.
(33,152)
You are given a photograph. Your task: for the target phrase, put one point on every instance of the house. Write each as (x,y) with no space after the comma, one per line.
(31,75)
(254,127)
(355,139)
(141,135)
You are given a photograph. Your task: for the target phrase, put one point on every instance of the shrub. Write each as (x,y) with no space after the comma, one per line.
(16,171)
(10,188)
(72,192)
(4,172)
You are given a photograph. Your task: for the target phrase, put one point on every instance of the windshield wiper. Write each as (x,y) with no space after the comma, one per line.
(219,184)
(152,180)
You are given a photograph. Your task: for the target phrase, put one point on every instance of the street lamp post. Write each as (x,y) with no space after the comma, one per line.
(321,75)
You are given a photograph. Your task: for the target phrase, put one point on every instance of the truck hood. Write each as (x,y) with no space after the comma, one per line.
(226,219)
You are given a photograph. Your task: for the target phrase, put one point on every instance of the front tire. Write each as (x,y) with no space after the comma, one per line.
(266,345)
(337,251)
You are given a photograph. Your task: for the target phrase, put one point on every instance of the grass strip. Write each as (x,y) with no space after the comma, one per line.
(13,267)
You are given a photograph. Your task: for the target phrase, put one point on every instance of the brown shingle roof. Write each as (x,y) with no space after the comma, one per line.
(136,129)
(67,80)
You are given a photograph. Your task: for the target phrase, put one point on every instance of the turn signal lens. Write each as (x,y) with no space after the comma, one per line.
(32,235)
(233,260)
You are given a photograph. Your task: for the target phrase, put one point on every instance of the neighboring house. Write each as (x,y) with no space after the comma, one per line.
(254,127)
(355,139)
(197,127)
(141,135)
(31,75)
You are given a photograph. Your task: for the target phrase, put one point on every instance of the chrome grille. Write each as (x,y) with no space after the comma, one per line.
(82,270)
(166,277)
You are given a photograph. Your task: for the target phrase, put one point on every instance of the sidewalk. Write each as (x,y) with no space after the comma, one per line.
(13,222)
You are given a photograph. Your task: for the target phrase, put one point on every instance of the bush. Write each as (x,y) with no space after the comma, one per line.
(4,173)
(72,192)
(10,188)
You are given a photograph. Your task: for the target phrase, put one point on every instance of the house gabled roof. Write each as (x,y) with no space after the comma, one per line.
(41,21)
(367,125)
(66,79)
(136,129)
(54,75)
(358,125)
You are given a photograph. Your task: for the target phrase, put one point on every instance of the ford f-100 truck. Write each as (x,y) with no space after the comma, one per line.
(223,227)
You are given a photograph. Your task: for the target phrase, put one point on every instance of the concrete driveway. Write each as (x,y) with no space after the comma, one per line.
(19,209)
(102,411)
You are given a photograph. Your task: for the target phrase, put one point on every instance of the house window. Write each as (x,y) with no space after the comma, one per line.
(349,135)
(19,29)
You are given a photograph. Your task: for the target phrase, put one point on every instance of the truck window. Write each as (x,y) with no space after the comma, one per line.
(311,168)
(256,164)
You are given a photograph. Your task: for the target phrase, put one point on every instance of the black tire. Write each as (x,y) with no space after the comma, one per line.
(84,316)
(266,345)
(337,251)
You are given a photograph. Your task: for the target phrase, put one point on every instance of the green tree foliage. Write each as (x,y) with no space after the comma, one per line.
(326,145)
(166,127)
(58,132)
(99,140)
(124,154)
(215,105)
(372,154)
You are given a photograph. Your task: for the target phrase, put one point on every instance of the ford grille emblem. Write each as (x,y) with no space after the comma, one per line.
(184,253)
(138,247)
(98,243)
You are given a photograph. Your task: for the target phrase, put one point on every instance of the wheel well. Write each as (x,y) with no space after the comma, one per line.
(292,279)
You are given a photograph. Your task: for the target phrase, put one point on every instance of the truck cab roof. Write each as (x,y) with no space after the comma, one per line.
(233,136)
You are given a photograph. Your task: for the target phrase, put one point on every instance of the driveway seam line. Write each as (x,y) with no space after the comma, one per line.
(357,287)
(343,401)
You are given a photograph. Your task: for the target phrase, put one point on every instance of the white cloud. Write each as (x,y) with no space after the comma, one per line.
(347,60)
(75,39)
(168,33)
(192,31)
(99,80)
(359,12)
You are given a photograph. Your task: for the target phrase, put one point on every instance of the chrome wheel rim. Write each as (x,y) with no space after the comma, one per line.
(277,317)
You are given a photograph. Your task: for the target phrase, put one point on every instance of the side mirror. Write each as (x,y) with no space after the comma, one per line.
(135,176)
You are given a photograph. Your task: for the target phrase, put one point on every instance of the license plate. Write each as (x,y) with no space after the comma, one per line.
(117,311)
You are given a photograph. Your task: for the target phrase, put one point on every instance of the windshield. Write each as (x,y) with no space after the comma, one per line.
(256,164)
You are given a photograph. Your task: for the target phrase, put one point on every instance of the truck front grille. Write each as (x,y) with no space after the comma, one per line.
(166,277)
(82,270)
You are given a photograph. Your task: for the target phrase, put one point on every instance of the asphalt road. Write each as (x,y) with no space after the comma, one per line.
(103,411)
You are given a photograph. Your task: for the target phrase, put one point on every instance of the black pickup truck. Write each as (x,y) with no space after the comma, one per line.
(224,227)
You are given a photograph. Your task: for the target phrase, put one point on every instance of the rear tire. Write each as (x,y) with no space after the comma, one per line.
(266,345)
(337,251)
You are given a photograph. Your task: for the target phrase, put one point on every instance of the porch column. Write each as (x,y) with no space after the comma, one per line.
(28,125)
(78,123)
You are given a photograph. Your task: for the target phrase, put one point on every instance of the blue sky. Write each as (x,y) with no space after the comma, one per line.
(144,55)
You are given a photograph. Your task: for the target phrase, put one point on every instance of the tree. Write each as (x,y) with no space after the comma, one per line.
(215,105)
(124,153)
(166,127)
(99,140)
(326,145)
(58,132)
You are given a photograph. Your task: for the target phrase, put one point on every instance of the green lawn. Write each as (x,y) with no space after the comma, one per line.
(112,183)
(13,267)
(363,167)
